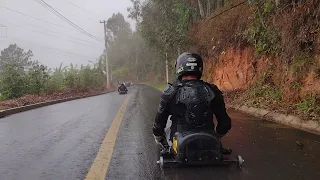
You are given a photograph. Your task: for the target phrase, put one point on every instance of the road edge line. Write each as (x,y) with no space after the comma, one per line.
(99,167)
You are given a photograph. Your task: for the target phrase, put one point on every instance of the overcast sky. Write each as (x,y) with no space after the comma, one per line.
(55,41)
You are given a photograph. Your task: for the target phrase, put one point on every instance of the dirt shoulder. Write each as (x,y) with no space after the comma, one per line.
(33,99)
(242,97)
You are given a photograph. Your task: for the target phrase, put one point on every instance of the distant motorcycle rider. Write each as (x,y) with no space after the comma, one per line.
(122,88)
(191,102)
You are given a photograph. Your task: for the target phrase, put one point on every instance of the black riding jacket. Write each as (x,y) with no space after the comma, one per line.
(169,106)
(122,88)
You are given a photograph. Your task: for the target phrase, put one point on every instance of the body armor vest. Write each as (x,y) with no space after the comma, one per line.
(196,98)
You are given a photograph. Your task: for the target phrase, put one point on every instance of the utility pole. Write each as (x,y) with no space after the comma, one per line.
(106,45)
(167,68)
(110,74)
(5,30)
(137,74)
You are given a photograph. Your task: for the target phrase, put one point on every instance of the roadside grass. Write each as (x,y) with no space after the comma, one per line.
(309,105)
(266,91)
(158,86)
(271,98)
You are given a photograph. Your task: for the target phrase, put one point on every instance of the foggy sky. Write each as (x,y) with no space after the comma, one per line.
(52,44)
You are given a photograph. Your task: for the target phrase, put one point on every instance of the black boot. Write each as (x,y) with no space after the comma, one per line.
(226,151)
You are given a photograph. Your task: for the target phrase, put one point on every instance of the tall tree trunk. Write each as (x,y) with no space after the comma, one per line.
(208,7)
(220,3)
(215,5)
(201,9)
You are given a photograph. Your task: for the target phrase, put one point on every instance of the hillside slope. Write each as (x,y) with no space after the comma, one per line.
(267,53)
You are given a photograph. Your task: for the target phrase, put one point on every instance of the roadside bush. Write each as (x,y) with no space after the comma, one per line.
(13,81)
(261,34)
(71,79)
(19,75)
(287,28)
(37,78)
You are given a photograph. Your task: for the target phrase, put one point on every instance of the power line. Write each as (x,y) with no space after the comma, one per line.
(228,9)
(31,16)
(69,40)
(56,49)
(74,14)
(24,14)
(80,7)
(55,12)
(46,30)
(6,31)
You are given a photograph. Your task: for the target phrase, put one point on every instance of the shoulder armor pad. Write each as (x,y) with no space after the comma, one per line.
(215,88)
(179,84)
(169,89)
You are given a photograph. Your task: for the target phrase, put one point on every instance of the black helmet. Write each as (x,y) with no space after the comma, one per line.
(189,64)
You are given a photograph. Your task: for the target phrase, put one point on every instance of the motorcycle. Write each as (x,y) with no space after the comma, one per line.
(123,91)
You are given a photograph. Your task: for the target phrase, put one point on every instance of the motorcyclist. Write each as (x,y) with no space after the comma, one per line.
(122,88)
(191,102)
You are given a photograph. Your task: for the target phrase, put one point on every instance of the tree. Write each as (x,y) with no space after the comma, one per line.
(135,10)
(129,55)
(14,62)
(14,55)
(118,27)
(165,25)
(201,9)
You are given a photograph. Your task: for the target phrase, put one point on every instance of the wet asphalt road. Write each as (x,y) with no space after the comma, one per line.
(61,142)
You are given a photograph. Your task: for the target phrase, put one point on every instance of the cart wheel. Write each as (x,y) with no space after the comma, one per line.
(161,162)
(240,161)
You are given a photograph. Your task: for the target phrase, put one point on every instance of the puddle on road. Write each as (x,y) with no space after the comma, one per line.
(246,118)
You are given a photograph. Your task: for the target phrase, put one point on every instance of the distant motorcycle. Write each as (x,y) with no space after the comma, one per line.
(122,90)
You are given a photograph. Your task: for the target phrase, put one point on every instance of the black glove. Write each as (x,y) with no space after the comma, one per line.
(219,133)
(162,141)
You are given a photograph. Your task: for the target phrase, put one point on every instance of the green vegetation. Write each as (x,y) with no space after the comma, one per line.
(300,64)
(285,33)
(266,91)
(131,58)
(263,36)
(284,28)
(19,75)
(165,25)
(158,86)
(309,104)
(296,85)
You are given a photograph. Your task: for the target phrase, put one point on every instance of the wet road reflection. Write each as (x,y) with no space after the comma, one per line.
(61,142)
(271,151)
